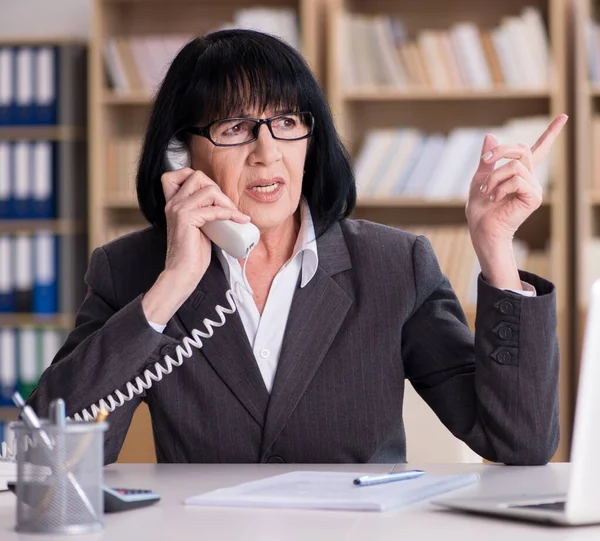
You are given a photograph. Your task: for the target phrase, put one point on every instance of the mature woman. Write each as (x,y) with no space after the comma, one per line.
(332,314)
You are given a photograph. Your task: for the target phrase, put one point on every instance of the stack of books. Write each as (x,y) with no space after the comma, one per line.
(139,63)
(376,50)
(408,163)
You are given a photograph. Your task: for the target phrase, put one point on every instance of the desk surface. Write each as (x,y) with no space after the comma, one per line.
(170,519)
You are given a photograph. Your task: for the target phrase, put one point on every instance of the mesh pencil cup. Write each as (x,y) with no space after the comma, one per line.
(59,477)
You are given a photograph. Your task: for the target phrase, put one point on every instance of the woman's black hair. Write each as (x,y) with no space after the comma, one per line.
(228,73)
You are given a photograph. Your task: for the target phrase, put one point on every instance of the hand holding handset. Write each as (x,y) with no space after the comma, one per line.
(235,238)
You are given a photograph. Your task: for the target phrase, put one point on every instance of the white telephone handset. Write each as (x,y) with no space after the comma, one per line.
(235,238)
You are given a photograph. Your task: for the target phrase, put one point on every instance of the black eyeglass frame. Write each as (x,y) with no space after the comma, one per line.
(204,131)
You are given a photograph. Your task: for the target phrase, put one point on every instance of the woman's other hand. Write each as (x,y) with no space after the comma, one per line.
(192,199)
(501,199)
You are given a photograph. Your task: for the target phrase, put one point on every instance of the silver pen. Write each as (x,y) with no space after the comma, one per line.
(370,480)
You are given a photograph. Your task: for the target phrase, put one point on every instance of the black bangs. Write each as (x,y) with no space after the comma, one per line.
(238,72)
(227,83)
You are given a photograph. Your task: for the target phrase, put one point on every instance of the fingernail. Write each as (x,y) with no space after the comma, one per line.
(491,197)
(487,156)
(483,188)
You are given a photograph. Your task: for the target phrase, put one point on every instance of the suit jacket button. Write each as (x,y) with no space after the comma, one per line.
(506,307)
(505,333)
(504,356)
(275,460)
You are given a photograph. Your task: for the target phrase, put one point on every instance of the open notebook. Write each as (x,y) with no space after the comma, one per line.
(331,490)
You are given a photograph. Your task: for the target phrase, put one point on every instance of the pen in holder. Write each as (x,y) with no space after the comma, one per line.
(59,473)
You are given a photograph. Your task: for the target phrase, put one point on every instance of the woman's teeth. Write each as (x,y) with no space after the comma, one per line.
(266,189)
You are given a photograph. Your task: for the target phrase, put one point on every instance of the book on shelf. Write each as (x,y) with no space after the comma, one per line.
(139,63)
(456,256)
(376,50)
(591,268)
(406,162)
(592,35)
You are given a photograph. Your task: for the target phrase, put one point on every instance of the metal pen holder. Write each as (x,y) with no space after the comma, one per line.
(59,477)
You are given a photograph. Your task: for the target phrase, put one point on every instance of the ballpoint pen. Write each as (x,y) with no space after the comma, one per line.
(370,480)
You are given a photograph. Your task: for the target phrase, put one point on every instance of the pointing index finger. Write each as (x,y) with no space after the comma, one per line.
(543,144)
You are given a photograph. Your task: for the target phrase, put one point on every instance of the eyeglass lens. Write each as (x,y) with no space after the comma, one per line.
(236,131)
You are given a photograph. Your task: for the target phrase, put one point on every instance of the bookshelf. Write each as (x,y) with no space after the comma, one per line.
(120,116)
(46,198)
(366,97)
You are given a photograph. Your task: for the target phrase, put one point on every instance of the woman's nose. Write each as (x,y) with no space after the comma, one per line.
(265,149)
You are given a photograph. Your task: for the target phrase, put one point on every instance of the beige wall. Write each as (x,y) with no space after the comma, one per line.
(70,18)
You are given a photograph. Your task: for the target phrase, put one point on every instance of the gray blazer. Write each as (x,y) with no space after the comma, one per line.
(378,311)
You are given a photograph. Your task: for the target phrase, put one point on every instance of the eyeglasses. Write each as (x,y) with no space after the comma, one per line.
(231,132)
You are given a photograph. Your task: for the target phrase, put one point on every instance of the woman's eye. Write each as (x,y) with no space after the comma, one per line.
(242,127)
(286,122)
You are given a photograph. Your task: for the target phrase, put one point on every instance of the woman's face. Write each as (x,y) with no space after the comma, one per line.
(262,178)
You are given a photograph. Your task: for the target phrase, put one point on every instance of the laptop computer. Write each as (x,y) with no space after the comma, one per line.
(580,504)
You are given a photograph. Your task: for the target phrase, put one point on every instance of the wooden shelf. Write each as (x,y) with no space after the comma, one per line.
(41,40)
(8,413)
(121,202)
(402,203)
(37,320)
(133,98)
(42,133)
(58,227)
(398,94)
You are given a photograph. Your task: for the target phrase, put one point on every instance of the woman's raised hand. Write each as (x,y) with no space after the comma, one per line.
(501,199)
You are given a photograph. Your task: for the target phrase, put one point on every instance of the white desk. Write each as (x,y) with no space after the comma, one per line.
(170,520)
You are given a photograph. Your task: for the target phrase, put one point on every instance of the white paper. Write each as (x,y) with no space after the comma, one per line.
(331,490)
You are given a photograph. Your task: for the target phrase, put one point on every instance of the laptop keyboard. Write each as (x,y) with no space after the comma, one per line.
(551,506)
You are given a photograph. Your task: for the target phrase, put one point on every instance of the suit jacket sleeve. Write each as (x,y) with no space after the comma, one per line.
(109,347)
(496,391)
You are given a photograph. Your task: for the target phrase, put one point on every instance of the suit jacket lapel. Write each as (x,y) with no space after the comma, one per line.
(235,364)
(315,318)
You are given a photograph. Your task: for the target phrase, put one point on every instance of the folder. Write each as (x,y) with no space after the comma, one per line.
(42,200)
(7,282)
(6,85)
(23,269)
(27,355)
(8,365)
(331,491)
(45,86)
(21,167)
(45,298)
(23,112)
(5,183)
(51,342)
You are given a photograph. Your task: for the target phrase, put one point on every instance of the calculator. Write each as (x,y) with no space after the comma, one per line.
(123,499)
(120,499)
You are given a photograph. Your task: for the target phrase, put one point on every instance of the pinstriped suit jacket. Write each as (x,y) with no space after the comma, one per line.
(378,311)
